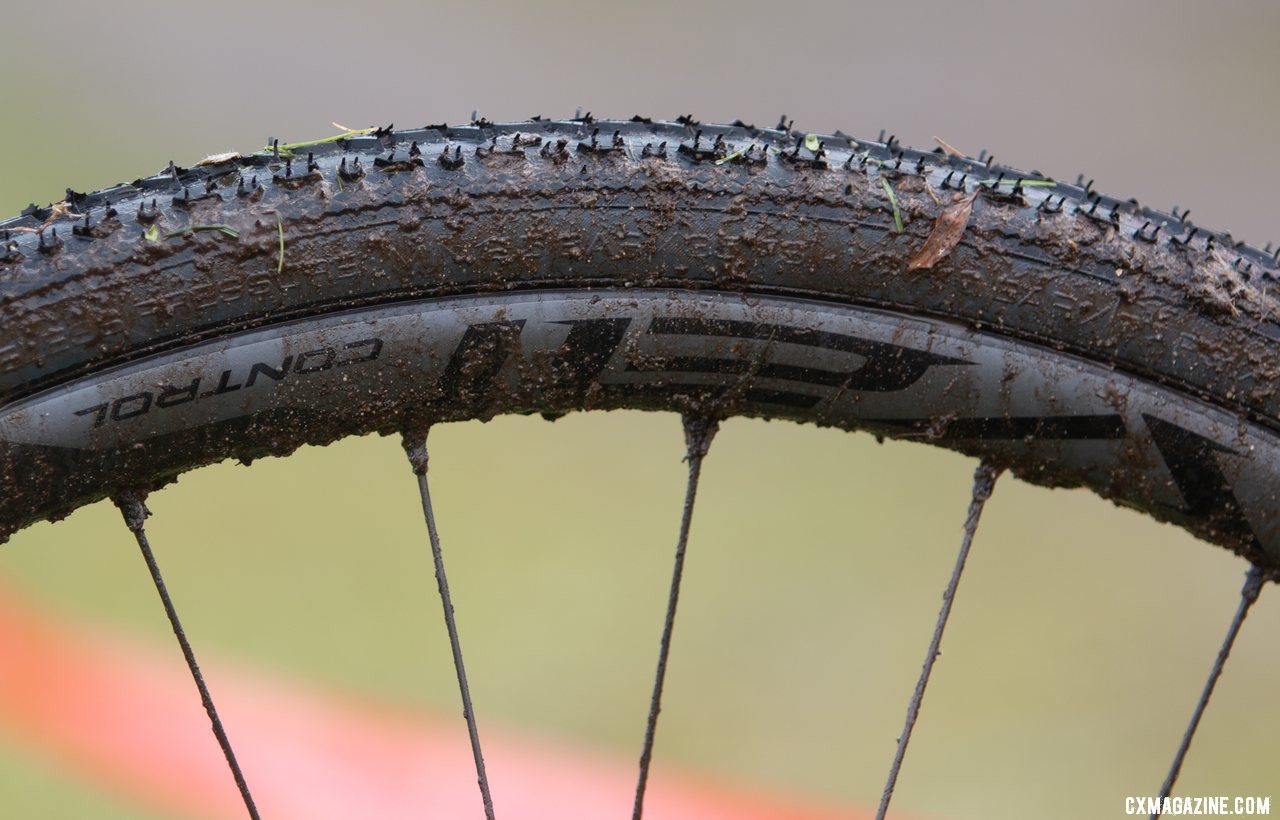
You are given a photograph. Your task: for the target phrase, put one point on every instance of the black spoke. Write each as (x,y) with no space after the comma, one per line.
(418,458)
(698,433)
(135,513)
(1248,594)
(984,479)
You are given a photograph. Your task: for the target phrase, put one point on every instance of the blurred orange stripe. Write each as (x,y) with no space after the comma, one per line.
(126,715)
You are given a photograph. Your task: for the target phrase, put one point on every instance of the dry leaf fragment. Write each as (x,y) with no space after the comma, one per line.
(948,228)
(58,210)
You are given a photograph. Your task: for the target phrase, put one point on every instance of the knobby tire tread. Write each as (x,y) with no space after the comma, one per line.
(244,241)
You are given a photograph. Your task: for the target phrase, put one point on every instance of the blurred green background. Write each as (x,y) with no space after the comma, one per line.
(1082,633)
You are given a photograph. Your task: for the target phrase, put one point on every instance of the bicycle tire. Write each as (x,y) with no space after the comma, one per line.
(192,261)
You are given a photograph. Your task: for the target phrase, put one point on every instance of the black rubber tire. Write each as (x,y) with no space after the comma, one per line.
(106,278)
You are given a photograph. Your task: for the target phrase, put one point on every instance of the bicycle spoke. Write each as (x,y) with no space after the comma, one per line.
(1248,594)
(698,433)
(984,479)
(135,512)
(417,453)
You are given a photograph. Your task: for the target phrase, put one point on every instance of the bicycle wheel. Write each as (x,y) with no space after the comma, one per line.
(391,280)
(212,312)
